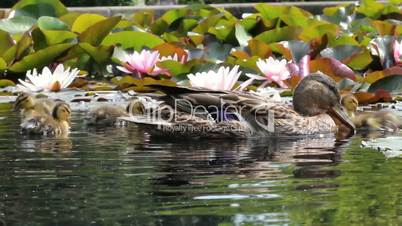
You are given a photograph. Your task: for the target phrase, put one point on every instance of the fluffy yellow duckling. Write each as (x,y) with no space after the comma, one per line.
(379,120)
(58,124)
(31,106)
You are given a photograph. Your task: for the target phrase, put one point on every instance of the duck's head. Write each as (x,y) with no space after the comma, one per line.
(24,101)
(350,103)
(317,94)
(61,112)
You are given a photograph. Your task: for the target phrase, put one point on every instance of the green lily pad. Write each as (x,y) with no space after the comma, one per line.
(175,68)
(241,35)
(95,34)
(280,34)
(51,23)
(17,25)
(3,64)
(101,54)
(57,6)
(5,41)
(133,39)
(40,58)
(6,82)
(391,83)
(84,21)
(36,11)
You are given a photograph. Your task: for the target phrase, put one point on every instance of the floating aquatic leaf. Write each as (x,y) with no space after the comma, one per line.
(57,7)
(17,25)
(84,21)
(40,58)
(95,34)
(133,39)
(392,83)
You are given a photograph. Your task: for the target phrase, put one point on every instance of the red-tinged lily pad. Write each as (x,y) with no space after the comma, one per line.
(373,97)
(391,83)
(259,48)
(376,75)
(168,49)
(293,81)
(333,68)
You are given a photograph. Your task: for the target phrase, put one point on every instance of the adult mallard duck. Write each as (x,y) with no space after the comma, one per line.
(378,120)
(58,124)
(31,106)
(197,112)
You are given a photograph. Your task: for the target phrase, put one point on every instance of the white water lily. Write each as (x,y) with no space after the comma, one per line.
(224,79)
(175,57)
(48,81)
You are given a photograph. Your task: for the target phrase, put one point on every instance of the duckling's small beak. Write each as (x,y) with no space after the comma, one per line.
(340,116)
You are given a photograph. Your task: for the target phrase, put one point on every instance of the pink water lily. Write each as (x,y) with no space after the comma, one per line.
(47,81)
(397,49)
(224,79)
(140,63)
(274,71)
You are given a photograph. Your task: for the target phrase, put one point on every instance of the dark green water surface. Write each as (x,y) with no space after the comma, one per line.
(122,177)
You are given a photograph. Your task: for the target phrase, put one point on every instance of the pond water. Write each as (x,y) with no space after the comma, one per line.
(120,176)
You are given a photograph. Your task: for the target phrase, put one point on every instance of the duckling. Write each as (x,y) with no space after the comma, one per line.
(108,115)
(58,124)
(379,120)
(31,106)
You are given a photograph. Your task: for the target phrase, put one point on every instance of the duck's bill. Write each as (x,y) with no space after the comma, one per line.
(342,118)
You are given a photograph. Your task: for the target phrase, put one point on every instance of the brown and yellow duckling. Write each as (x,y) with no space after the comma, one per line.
(31,106)
(316,110)
(58,124)
(379,120)
(108,115)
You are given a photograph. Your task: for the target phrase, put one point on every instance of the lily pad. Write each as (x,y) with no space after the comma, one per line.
(6,41)
(101,54)
(84,21)
(17,25)
(241,35)
(40,58)
(57,6)
(6,82)
(36,11)
(95,34)
(392,83)
(133,39)
(280,34)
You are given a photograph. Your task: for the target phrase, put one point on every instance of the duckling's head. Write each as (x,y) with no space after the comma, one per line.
(136,107)
(317,94)
(24,101)
(350,103)
(61,112)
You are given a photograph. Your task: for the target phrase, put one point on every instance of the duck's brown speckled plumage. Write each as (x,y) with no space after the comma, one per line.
(255,116)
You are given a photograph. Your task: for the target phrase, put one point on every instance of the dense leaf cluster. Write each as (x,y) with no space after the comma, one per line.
(352,43)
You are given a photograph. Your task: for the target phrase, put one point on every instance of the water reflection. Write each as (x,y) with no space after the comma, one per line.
(109,176)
